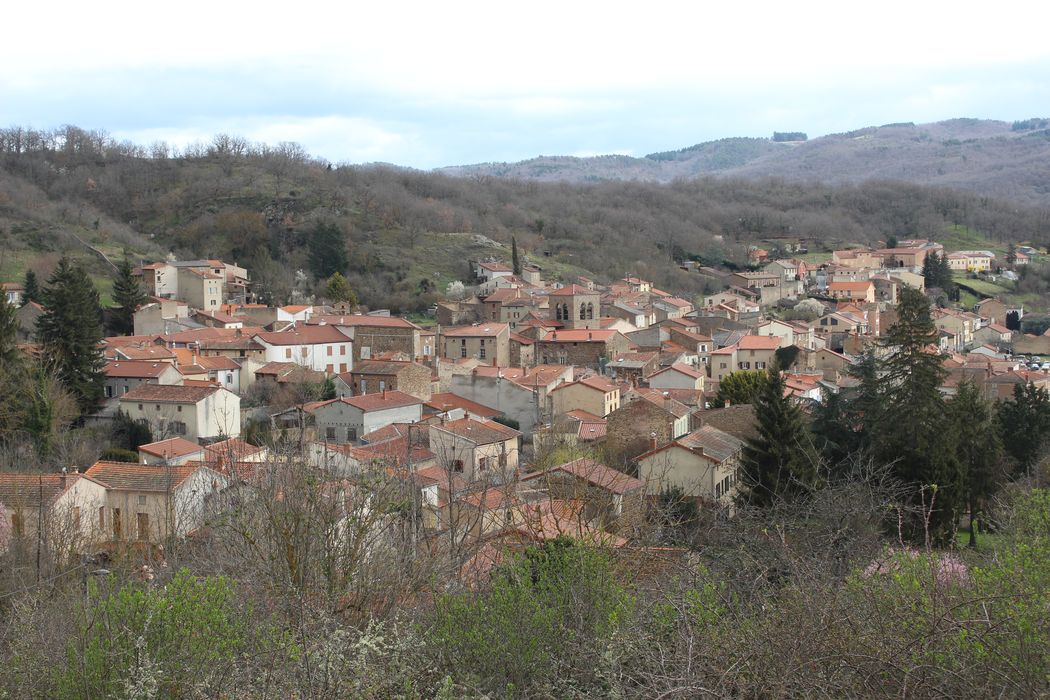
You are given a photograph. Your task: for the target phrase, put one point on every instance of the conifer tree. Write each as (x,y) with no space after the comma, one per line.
(10,356)
(1024,426)
(32,288)
(977,447)
(127,297)
(912,430)
(515,261)
(780,462)
(70,330)
(327,251)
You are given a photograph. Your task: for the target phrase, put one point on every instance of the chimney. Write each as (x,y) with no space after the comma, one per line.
(652,441)
(62,479)
(667,401)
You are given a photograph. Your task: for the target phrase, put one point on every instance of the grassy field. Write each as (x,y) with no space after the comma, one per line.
(981,286)
(963,238)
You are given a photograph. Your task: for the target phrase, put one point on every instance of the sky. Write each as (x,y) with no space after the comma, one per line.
(429,84)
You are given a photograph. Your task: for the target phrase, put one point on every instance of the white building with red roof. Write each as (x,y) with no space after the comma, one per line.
(194,412)
(320,348)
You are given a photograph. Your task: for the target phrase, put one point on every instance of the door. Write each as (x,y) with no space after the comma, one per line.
(117,524)
(143,526)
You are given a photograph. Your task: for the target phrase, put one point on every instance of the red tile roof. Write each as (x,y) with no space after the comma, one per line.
(487,330)
(478,432)
(376,402)
(572,290)
(126,476)
(304,335)
(758,342)
(445,401)
(596,474)
(682,369)
(362,320)
(579,335)
(172,447)
(136,370)
(163,393)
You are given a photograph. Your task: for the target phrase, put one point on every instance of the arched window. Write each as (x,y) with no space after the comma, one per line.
(557,312)
(583,311)
(590,311)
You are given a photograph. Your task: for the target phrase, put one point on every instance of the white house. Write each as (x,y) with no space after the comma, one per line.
(677,376)
(320,348)
(350,418)
(195,412)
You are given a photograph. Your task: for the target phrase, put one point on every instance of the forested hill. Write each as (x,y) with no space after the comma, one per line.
(1001,159)
(409,233)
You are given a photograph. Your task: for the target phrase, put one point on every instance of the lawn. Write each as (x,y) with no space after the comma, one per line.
(963,238)
(980,286)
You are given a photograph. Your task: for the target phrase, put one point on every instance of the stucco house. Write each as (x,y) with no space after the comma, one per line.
(595,394)
(703,464)
(122,377)
(319,348)
(350,418)
(195,412)
(476,449)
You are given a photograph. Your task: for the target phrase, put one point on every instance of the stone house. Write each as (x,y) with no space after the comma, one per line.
(377,376)
(575,307)
(643,417)
(487,342)
(581,348)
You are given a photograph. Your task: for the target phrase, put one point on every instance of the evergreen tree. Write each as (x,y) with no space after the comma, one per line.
(338,290)
(739,387)
(835,433)
(127,297)
(912,431)
(10,356)
(70,330)
(32,288)
(1024,425)
(1011,254)
(930,269)
(515,261)
(977,448)
(327,251)
(780,462)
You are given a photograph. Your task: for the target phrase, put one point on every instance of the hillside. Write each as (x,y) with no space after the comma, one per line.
(409,234)
(993,158)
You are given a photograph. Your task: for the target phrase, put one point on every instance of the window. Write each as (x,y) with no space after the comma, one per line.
(109,392)
(483,464)
(142,500)
(178,427)
(351,434)
(329,433)
(157,406)
(364,386)
(481,353)
(760,365)
(382,385)
(229,377)
(463,352)
(287,353)
(140,407)
(457,465)
(342,349)
(328,350)
(117,525)
(503,459)
(179,409)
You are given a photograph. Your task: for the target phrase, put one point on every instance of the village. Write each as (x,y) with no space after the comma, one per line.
(529,409)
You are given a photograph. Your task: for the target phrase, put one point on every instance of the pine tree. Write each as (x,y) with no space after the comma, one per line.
(10,356)
(327,251)
(127,297)
(780,462)
(1024,425)
(977,448)
(515,261)
(912,431)
(70,331)
(32,288)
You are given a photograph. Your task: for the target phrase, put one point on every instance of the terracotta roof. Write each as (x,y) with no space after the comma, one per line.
(850,286)
(662,400)
(362,320)
(304,335)
(681,369)
(444,401)
(595,382)
(216,362)
(163,393)
(296,308)
(136,370)
(25,489)
(572,290)
(376,402)
(172,447)
(381,367)
(478,432)
(126,476)
(233,449)
(596,474)
(487,330)
(758,342)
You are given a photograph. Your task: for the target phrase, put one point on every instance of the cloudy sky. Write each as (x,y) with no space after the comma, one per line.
(427,84)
